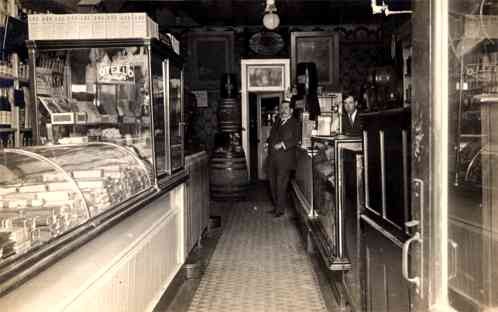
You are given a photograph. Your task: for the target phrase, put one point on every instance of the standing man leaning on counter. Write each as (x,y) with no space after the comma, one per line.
(282,143)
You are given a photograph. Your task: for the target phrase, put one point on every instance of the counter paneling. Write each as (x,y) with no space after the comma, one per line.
(197,198)
(302,183)
(126,268)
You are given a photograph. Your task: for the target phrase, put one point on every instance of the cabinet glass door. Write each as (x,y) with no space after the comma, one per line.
(158,104)
(473,156)
(175,112)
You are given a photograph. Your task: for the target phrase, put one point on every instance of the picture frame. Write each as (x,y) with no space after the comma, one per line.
(265,77)
(212,56)
(321,48)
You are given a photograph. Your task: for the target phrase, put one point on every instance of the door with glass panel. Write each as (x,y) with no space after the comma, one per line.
(454,263)
(473,155)
(174,112)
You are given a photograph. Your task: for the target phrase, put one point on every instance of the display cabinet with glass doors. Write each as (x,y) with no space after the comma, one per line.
(128,92)
(328,196)
(108,133)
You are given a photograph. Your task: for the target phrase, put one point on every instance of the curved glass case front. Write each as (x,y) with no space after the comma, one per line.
(46,191)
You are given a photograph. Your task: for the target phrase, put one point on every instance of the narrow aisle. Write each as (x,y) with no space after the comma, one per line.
(259,264)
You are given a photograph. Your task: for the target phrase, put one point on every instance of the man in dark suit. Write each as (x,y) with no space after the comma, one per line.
(282,143)
(351,123)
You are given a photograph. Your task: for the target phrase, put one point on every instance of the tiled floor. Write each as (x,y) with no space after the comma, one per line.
(259,264)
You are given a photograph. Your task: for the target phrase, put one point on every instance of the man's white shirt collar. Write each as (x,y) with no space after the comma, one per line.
(353,116)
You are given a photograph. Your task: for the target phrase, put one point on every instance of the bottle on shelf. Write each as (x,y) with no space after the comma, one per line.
(19,102)
(5,109)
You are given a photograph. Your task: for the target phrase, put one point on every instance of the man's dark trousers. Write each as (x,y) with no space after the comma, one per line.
(282,162)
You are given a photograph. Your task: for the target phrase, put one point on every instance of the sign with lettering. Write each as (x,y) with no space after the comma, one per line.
(116,73)
(481,72)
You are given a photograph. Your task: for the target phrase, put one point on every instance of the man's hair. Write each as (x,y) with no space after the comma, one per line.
(349,93)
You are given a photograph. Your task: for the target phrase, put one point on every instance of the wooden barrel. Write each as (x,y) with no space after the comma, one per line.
(229,119)
(228,176)
(228,86)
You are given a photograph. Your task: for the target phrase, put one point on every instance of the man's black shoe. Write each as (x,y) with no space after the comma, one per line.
(273,211)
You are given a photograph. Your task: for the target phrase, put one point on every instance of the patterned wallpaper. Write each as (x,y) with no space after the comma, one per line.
(361,47)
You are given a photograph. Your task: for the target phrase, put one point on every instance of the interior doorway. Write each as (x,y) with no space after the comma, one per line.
(278,73)
(266,105)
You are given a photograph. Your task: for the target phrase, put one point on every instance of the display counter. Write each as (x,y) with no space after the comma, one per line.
(97,209)
(328,195)
(139,255)
(302,184)
(127,267)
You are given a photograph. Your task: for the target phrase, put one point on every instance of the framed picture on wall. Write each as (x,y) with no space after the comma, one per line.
(321,48)
(211,57)
(265,77)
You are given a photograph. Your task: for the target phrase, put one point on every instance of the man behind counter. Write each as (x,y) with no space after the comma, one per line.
(351,122)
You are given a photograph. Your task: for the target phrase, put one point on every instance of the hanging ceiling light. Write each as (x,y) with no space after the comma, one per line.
(271,19)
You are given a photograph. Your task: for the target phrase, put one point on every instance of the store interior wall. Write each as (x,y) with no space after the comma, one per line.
(361,48)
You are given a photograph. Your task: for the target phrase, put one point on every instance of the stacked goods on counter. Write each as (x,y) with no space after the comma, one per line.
(38,203)
(91,26)
(34,211)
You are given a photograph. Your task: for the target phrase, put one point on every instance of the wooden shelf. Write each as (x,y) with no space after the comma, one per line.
(7,130)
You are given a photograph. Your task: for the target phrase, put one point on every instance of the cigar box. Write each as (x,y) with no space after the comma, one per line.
(80,118)
(139,24)
(98,26)
(60,186)
(46,26)
(15,204)
(36,203)
(53,177)
(53,197)
(85,30)
(87,174)
(18,196)
(111,22)
(71,26)
(7,190)
(60,206)
(59,26)
(34,21)
(62,118)
(124,25)
(96,184)
(33,188)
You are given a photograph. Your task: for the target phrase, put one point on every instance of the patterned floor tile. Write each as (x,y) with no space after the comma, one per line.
(259,265)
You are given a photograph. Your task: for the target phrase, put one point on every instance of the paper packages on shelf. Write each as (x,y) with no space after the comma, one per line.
(91,26)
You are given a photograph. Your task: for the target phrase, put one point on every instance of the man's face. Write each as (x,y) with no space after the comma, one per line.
(285,110)
(349,104)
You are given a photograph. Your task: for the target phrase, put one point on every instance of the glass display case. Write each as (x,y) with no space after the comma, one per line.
(128,92)
(107,125)
(328,195)
(47,191)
